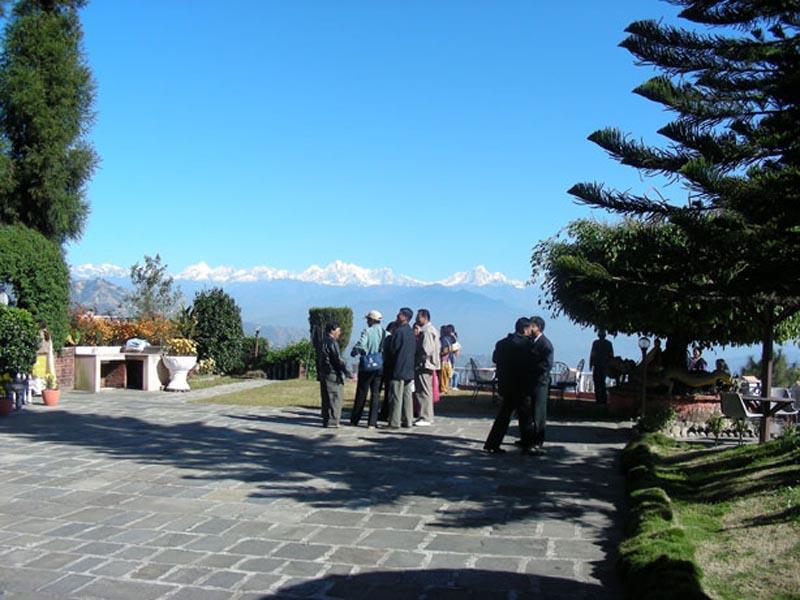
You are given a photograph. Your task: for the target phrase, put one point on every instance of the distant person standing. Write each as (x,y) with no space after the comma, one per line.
(542,351)
(697,362)
(515,371)
(602,352)
(400,352)
(429,350)
(331,373)
(369,349)
(446,372)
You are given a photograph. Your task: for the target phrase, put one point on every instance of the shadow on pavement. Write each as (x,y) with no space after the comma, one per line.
(282,457)
(448,584)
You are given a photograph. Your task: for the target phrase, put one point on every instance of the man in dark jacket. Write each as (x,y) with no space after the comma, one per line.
(542,351)
(401,348)
(331,371)
(602,352)
(515,370)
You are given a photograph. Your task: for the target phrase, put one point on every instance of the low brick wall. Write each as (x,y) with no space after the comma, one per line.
(65,368)
(692,408)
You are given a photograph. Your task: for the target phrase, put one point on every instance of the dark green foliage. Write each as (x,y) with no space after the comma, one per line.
(319,317)
(153,293)
(658,417)
(19,340)
(249,360)
(301,352)
(218,329)
(46,96)
(35,268)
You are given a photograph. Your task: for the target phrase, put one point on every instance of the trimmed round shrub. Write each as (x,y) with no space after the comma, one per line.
(319,317)
(19,341)
(35,268)
(218,330)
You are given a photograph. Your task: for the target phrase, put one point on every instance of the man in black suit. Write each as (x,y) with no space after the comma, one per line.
(515,369)
(542,351)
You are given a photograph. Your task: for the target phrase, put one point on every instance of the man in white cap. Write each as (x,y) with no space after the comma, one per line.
(369,349)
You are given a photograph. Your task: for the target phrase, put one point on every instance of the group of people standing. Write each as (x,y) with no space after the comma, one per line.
(407,361)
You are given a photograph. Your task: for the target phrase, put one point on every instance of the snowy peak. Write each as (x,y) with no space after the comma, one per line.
(90,271)
(337,273)
(342,273)
(480,276)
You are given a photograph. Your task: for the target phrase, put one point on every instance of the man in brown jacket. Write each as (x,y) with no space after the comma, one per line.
(429,350)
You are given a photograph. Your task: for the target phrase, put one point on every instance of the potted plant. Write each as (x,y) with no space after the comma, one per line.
(19,340)
(180,357)
(51,393)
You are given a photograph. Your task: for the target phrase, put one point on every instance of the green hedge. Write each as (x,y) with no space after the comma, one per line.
(218,329)
(19,341)
(320,316)
(35,268)
(656,559)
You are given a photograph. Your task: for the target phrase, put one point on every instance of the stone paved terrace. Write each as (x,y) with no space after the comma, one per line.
(139,496)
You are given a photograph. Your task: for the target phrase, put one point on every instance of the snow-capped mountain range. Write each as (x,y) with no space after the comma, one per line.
(337,273)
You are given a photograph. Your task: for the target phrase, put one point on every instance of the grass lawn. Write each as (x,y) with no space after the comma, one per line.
(305,393)
(740,508)
(292,392)
(203,382)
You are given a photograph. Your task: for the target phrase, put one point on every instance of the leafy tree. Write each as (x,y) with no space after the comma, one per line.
(218,329)
(734,146)
(46,96)
(319,317)
(154,294)
(35,268)
(784,374)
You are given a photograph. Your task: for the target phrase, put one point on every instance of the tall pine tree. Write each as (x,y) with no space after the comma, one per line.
(46,96)
(734,145)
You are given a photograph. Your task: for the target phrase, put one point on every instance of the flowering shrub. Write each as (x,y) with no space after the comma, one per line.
(207,366)
(180,347)
(90,330)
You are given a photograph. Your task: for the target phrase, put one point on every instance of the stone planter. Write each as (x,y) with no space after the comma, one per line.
(179,367)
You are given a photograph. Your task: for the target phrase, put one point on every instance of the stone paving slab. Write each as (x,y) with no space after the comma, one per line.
(133,496)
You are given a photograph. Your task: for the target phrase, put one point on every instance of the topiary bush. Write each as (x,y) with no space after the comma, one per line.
(218,329)
(19,340)
(319,317)
(35,268)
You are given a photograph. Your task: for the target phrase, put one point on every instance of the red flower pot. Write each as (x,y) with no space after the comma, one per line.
(51,397)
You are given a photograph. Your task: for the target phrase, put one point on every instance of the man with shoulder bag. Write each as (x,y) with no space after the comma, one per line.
(369,349)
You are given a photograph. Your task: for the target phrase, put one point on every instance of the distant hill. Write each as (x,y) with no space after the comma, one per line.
(101,296)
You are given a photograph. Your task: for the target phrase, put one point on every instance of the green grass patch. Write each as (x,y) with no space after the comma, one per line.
(733,512)
(292,392)
(203,382)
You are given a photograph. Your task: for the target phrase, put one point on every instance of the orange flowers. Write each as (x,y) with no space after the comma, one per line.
(104,331)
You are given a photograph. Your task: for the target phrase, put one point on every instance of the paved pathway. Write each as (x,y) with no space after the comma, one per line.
(138,496)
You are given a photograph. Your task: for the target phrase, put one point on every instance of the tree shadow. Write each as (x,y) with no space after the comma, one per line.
(283,457)
(435,584)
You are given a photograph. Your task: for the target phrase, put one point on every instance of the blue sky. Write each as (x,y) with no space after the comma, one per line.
(428,137)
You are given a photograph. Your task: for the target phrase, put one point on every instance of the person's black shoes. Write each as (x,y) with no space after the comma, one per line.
(492,450)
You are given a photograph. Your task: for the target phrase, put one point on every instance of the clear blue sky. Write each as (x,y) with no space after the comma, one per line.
(428,137)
